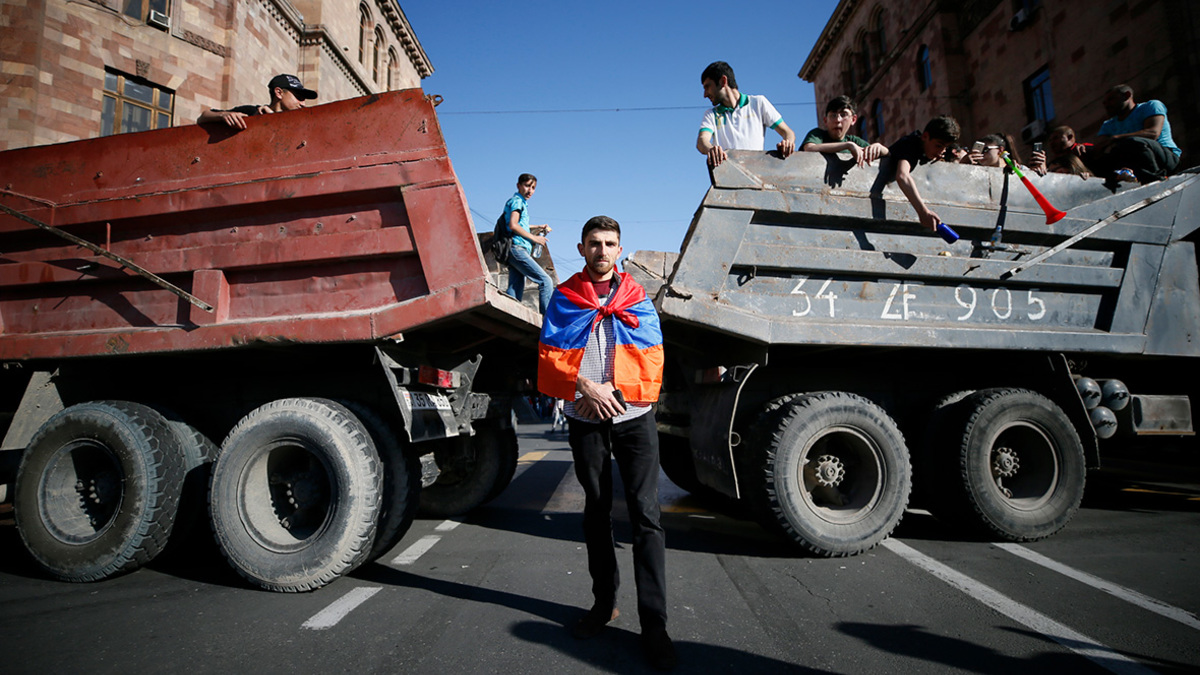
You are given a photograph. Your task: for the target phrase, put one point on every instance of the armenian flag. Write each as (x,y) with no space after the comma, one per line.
(573,313)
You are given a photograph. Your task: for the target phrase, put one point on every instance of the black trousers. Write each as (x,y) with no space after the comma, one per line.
(1148,160)
(634,444)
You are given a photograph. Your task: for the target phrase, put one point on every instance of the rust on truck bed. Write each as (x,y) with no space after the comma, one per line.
(340,223)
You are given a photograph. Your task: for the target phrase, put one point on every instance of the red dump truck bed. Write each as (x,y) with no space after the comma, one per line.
(344,222)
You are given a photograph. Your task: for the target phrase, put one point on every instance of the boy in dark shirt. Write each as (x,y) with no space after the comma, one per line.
(921,148)
(840,118)
(287,93)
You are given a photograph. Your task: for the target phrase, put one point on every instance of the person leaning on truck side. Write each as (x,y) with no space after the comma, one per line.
(601,351)
(920,148)
(287,93)
(521,264)
(736,121)
(840,117)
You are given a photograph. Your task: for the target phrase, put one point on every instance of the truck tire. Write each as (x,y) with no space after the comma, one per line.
(835,474)
(401,482)
(197,453)
(97,490)
(675,456)
(939,442)
(481,467)
(1020,466)
(295,494)
(509,454)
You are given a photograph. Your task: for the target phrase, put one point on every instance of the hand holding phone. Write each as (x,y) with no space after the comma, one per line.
(620,399)
(1037,147)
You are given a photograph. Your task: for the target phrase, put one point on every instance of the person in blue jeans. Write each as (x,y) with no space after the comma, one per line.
(521,264)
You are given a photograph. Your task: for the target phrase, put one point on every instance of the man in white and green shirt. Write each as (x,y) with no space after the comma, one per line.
(736,121)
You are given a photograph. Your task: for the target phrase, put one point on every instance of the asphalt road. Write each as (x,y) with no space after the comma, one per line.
(1116,591)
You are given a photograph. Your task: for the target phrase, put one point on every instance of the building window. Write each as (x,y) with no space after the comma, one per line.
(877,115)
(364,32)
(393,73)
(878,36)
(1039,100)
(849,79)
(132,104)
(924,71)
(377,59)
(866,56)
(140,9)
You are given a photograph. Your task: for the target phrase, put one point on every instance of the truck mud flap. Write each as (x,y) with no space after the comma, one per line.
(711,435)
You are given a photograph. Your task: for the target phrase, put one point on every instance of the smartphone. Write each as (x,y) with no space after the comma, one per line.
(620,399)
(978,147)
(1037,147)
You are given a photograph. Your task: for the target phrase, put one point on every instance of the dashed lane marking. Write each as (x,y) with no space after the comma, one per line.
(447,525)
(1127,594)
(418,549)
(531,457)
(1079,643)
(331,615)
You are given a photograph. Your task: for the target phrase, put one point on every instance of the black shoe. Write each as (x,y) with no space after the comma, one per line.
(659,649)
(593,622)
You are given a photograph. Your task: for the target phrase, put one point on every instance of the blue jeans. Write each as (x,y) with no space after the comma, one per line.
(521,265)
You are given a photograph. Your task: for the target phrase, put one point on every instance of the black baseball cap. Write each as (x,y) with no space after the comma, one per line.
(292,83)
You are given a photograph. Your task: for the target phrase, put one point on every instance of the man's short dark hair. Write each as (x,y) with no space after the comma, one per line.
(1123,89)
(841,103)
(525,178)
(944,128)
(716,70)
(600,223)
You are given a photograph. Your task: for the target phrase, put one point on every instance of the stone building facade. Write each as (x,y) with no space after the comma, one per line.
(75,69)
(1015,66)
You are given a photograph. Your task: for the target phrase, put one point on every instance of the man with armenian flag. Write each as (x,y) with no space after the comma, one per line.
(601,351)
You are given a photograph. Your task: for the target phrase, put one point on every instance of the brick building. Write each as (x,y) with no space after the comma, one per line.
(77,69)
(1016,66)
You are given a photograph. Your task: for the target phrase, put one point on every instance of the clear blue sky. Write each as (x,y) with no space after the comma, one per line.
(513,75)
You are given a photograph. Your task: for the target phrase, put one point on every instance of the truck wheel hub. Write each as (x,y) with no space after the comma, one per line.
(830,471)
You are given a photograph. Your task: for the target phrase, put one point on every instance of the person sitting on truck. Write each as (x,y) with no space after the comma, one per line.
(736,121)
(601,351)
(920,148)
(1135,142)
(840,118)
(989,151)
(287,93)
(1061,141)
(521,263)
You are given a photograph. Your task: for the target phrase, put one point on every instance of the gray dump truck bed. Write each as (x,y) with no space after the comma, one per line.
(826,355)
(790,252)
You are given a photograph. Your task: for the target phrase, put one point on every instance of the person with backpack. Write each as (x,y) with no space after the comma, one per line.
(522,238)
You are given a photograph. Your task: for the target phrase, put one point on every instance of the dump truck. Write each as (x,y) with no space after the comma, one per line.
(828,357)
(284,332)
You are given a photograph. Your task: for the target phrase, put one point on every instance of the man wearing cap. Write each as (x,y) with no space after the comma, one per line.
(287,93)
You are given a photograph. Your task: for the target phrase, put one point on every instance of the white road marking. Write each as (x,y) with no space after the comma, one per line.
(328,617)
(1128,595)
(418,549)
(447,525)
(1077,642)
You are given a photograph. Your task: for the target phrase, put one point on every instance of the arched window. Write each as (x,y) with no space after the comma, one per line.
(393,75)
(866,55)
(364,32)
(849,79)
(377,60)
(924,72)
(877,115)
(878,35)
